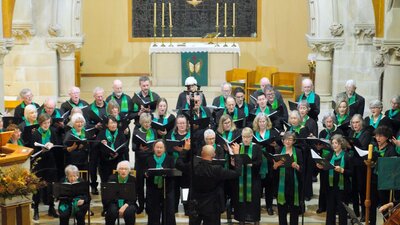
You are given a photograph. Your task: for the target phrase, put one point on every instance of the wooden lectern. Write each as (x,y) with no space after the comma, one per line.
(11,154)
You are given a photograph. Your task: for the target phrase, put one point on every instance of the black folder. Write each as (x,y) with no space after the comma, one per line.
(174,143)
(140,141)
(139,100)
(325,163)
(110,150)
(159,126)
(167,172)
(62,118)
(292,105)
(68,190)
(203,123)
(313,142)
(266,142)
(286,158)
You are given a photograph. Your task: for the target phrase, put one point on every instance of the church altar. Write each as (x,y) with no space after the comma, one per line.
(165,62)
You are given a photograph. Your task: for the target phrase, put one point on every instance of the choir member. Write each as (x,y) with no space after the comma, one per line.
(183,101)
(363,136)
(209,139)
(342,114)
(247,188)
(330,129)
(146,95)
(110,140)
(227,129)
(29,119)
(26,96)
(96,113)
(76,141)
(45,164)
(155,189)
(295,125)
(162,116)
(339,181)
(289,181)
(355,101)
(74,101)
(226,90)
(264,82)
(179,133)
(262,106)
(311,97)
(241,103)
(16,136)
(382,148)
(123,100)
(199,121)
(121,207)
(113,109)
(394,113)
(142,152)
(304,108)
(76,207)
(231,110)
(276,104)
(262,127)
(208,183)
(377,118)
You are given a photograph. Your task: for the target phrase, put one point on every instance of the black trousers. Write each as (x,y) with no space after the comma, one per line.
(294,211)
(358,188)
(323,185)
(267,186)
(206,218)
(155,205)
(335,197)
(93,163)
(113,214)
(79,215)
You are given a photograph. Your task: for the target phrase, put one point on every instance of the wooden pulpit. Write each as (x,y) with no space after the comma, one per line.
(11,154)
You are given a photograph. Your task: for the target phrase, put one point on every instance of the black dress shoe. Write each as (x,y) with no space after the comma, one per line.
(52,212)
(95,191)
(320,211)
(270,211)
(36,214)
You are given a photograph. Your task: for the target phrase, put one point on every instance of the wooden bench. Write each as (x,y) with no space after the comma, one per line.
(237,77)
(254,77)
(288,83)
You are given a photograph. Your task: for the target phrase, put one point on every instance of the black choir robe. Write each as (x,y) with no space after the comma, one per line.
(358,106)
(68,105)
(119,101)
(77,157)
(314,107)
(137,104)
(19,110)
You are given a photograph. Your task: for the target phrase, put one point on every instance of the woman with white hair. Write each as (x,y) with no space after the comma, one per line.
(377,118)
(29,124)
(209,139)
(26,96)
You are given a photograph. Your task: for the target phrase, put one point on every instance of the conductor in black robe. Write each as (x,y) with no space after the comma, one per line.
(208,186)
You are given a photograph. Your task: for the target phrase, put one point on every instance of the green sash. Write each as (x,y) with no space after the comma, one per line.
(235,113)
(341,119)
(175,154)
(352,99)
(248,172)
(111,137)
(282,175)
(124,103)
(221,101)
(159,161)
(266,110)
(81,136)
(264,164)
(392,113)
(80,104)
(331,171)
(310,98)
(375,124)
(46,134)
(122,181)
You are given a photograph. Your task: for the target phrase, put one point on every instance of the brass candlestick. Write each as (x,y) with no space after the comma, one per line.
(233,35)
(216,31)
(170,35)
(225,27)
(154,35)
(162,35)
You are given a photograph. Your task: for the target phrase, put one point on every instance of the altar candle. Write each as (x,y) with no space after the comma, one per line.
(225,15)
(370,151)
(155,14)
(217,21)
(162,14)
(233,13)
(170,13)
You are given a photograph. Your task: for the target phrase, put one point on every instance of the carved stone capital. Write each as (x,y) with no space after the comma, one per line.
(5,46)
(65,46)
(55,30)
(336,29)
(364,33)
(22,32)
(324,47)
(388,52)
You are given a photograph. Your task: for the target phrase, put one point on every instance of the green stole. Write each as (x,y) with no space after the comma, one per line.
(331,171)
(398,147)
(27,123)
(203,114)
(310,98)
(325,152)
(392,113)
(235,113)
(46,134)
(375,124)
(282,176)
(159,161)
(80,104)
(296,129)
(248,175)
(221,101)
(264,164)
(274,104)
(149,134)
(122,181)
(58,115)
(266,110)
(81,136)
(111,137)
(124,102)
(175,153)
(74,204)
(352,99)
(303,123)
(341,119)
(380,152)
(95,109)
(246,109)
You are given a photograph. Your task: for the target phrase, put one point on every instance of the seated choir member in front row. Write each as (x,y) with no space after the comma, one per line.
(289,181)
(247,187)
(121,207)
(208,185)
(339,185)
(76,207)
(155,189)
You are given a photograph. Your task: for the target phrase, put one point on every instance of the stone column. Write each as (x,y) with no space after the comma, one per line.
(323,48)
(66,61)
(22,25)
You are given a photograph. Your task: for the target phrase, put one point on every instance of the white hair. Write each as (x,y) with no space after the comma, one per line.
(208,132)
(124,163)
(350,83)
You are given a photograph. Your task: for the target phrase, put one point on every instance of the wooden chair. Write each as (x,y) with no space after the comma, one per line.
(288,83)
(84,175)
(254,77)
(237,77)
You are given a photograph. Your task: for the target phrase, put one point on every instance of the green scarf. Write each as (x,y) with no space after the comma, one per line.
(392,113)
(111,137)
(203,114)
(375,124)
(221,101)
(159,161)
(266,110)
(74,204)
(282,175)
(28,123)
(246,109)
(235,113)
(380,152)
(331,171)
(398,147)
(296,129)
(310,98)
(357,134)
(248,176)
(81,136)
(341,119)
(352,99)
(175,153)
(19,142)
(80,104)
(95,109)
(306,117)
(264,164)
(46,134)
(325,152)
(122,181)
(227,135)
(161,119)
(124,103)
(275,104)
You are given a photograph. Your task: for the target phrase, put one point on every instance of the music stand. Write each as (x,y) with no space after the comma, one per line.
(353,217)
(69,191)
(112,191)
(164,172)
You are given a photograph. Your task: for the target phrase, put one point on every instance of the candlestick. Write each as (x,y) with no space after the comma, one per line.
(217,15)
(170,13)
(155,15)
(225,10)
(370,151)
(162,14)
(233,14)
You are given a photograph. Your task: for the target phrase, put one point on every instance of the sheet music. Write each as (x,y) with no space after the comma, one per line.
(314,155)
(361,152)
